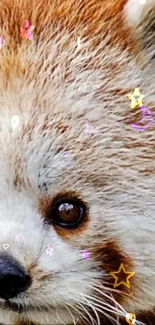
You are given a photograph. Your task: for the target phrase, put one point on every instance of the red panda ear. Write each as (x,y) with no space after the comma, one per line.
(140,16)
(134,10)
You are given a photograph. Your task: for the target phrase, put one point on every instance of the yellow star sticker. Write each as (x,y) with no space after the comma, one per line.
(136,98)
(126,284)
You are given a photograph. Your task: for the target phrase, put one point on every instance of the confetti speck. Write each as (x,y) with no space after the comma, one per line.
(85,253)
(14,122)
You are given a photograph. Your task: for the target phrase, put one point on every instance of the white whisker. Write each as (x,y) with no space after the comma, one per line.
(117,316)
(91,318)
(103,312)
(78,312)
(71,314)
(97,317)
(107,315)
(103,303)
(110,298)
(106,288)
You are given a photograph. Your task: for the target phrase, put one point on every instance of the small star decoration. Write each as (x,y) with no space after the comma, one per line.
(136,98)
(27,33)
(49,250)
(126,284)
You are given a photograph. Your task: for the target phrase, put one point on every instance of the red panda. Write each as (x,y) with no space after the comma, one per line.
(77,180)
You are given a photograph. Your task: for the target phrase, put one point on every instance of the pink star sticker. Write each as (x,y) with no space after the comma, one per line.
(85,253)
(27,34)
(49,250)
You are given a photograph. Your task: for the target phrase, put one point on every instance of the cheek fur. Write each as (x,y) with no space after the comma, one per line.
(25,323)
(110,256)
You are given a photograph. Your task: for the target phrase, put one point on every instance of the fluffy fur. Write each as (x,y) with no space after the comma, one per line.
(111,168)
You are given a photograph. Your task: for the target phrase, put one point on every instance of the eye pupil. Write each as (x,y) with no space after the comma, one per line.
(65,207)
(66,212)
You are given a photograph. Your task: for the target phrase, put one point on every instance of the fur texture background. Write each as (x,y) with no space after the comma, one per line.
(112,169)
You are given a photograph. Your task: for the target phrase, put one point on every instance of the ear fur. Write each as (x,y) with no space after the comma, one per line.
(140,16)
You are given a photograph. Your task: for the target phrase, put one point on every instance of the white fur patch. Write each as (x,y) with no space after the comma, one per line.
(135,9)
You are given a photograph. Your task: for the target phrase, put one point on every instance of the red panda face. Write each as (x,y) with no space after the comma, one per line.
(77,186)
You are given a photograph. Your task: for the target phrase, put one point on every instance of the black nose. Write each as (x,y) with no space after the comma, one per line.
(13,279)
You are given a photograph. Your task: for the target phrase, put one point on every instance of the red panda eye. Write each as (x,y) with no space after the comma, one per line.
(66,213)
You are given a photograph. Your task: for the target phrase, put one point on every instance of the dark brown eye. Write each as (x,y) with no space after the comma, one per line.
(67,213)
